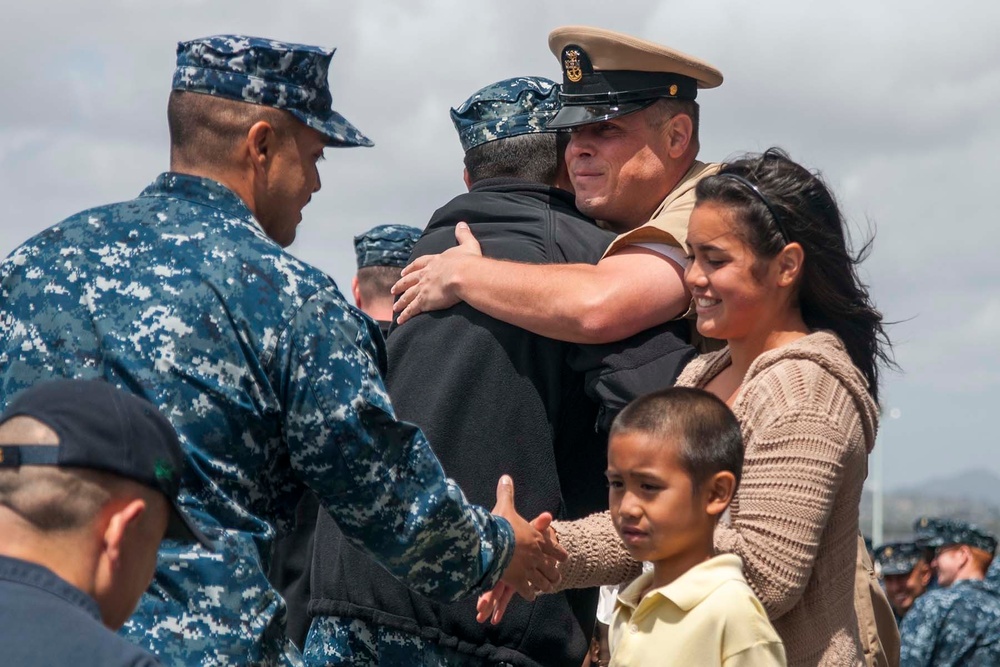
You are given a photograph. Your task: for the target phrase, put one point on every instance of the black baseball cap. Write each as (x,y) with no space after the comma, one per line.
(104,428)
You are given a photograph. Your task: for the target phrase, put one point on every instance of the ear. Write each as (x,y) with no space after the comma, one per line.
(261,146)
(679,130)
(356,292)
(925,574)
(123,520)
(719,490)
(790,261)
(465,177)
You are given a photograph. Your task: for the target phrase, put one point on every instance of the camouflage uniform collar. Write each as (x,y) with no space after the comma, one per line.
(199,190)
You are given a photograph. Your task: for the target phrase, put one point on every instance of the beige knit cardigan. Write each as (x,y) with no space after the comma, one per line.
(808,423)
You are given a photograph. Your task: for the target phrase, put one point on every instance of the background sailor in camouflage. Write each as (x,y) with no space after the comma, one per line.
(271,379)
(382,253)
(959,623)
(905,568)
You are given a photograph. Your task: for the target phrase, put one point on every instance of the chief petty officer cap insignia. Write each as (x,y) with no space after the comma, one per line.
(608,74)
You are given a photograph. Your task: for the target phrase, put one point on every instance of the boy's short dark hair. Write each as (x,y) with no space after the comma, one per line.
(704,426)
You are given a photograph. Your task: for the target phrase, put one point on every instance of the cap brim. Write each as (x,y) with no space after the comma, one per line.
(338,131)
(181,528)
(575,115)
(894,571)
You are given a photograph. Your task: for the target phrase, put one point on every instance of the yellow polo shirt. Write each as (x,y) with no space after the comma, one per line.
(708,616)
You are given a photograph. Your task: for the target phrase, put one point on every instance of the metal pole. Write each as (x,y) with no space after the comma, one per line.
(877,499)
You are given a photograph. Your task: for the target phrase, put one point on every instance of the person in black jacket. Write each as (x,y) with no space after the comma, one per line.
(494,399)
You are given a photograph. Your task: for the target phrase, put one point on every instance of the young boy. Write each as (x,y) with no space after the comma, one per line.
(674,461)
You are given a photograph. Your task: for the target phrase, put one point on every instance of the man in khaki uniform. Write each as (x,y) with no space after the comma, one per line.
(630,105)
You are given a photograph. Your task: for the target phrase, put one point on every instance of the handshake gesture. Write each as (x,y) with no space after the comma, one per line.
(533,569)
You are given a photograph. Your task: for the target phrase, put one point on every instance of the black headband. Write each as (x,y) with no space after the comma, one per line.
(760,195)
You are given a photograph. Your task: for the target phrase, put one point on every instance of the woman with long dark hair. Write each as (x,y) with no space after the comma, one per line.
(772,274)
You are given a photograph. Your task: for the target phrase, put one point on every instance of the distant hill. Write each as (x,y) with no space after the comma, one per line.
(971,496)
(973,485)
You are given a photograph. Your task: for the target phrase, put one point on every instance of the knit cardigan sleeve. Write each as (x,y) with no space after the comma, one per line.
(801,431)
(597,556)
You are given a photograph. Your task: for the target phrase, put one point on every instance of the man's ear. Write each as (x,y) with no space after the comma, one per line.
(356,292)
(925,575)
(261,145)
(719,490)
(679,131)
(123,518)
(790,261)
(467,179)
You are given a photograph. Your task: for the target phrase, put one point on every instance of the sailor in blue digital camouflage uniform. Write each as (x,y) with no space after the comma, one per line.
(905,569)
(958,623)
(382,253)
(186,297)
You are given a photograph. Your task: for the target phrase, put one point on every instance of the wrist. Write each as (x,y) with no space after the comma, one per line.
(456,285)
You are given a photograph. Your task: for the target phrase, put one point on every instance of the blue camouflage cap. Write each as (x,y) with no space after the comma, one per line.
(899,557)
(935,532)
(386,245)
(507,108)
(292,77)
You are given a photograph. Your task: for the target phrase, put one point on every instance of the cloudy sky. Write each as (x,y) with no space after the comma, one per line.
(896,102)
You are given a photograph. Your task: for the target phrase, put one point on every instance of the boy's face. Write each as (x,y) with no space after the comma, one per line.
(654,506)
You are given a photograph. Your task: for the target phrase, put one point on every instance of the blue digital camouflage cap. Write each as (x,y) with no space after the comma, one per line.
(934,532)
(285,76)
(385,245)
(507,108)
(899,557)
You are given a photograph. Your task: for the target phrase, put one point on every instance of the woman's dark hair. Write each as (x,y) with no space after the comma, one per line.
(774,198)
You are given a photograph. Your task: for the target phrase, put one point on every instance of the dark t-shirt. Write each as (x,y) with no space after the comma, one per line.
(46,621)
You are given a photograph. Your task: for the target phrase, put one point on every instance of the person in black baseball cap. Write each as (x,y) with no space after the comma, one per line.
(89,477)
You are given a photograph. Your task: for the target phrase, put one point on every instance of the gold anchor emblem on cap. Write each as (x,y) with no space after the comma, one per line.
(888,552)
(673,90)
(571,65)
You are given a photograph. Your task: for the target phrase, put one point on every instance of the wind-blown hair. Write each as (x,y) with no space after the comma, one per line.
(830,294)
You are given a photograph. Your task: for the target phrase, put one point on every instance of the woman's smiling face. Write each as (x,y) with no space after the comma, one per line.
(735,293)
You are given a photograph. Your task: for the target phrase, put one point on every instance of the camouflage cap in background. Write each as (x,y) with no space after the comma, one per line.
(899,557)
(507,108)
(935,532)
(386,245)
(285,76)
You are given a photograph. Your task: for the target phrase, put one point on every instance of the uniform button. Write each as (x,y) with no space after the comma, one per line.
(634,629)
